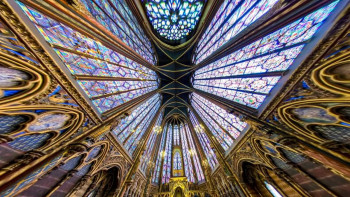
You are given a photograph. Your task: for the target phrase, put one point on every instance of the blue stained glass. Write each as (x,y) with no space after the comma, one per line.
(9,124)
(204,141)
(174,19)
(229,77)
(232,18)
(71,163)
(198,167)
(157,170)
(225,127)
(176,135)
(113,16)
(177,163)
(131,129)
(84,56)
(29,142)
(146,157)
(93,153)
(186,155)
(167,156)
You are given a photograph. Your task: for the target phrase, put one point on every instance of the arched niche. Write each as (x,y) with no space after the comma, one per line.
(20,80)
(35,129)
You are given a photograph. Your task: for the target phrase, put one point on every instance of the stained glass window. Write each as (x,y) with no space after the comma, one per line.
(176,135)
(146,157)
(193,152)
(108,78)
(177,163)
(116,16)
(247,75)
(204,141)
(225,126)
(174,19)
(156,172)
(132,128)
(186,155)
(167,156)
(232,18)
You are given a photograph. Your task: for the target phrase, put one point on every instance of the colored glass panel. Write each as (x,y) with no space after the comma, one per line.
(176,135)
(116,16)
(186,155)
(248,75)
(204,141)
(131,129)
(174,19)
(167,156)
(151,142)
(198,167)
(232,18)
(156,172)
(177,163)
(84,56)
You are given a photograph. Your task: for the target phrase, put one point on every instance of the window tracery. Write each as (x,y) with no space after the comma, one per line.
(174,19)
(231,18)
(151,142)
(116,16)
(132,128)
(224,126)
(247,75)
(160,155)
(106,76)
(167,155)
(204,141)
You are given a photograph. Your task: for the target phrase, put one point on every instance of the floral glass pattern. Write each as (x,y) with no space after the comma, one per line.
(247,75)
(90,62)
(174,19)
(225,127)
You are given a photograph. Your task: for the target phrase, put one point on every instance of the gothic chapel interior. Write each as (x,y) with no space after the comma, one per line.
(174,98)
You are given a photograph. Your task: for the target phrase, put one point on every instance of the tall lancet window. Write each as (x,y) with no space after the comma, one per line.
(232,17)
(116,16)
(248,75)
(106,77)
(176,135)
(132,128)
(177,163)
(147,155)
(160,155)
(194,154)
(186,155)
(167,155)
(225,127)
(204,141)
